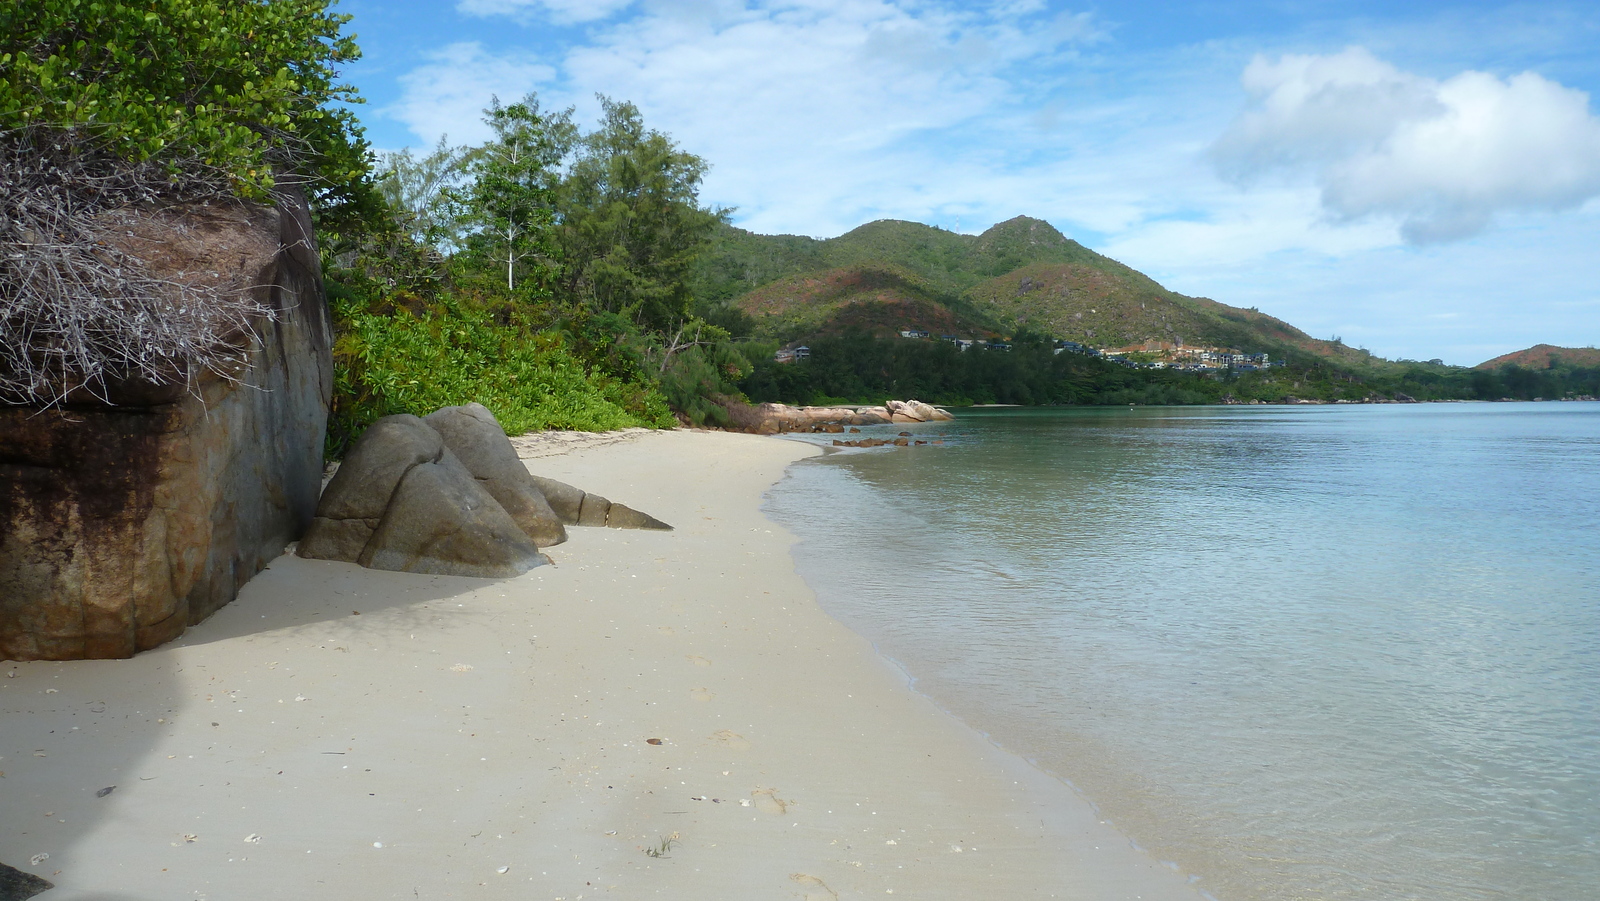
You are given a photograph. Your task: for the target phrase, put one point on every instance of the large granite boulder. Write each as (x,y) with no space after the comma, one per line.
(402,501)
(356,499)
(441,520)
(125,519)
(447,494)
(475,437)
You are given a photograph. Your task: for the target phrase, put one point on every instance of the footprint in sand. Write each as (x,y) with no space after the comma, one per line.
(813,889)
(731,740)
(697,660)
(701,694)
(667,630)
(767,801)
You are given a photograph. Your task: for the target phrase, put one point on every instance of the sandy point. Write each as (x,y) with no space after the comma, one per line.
(658,714)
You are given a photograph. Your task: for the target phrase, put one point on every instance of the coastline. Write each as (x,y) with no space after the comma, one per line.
(339,732)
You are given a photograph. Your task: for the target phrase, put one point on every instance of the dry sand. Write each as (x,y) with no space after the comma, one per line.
(338,733)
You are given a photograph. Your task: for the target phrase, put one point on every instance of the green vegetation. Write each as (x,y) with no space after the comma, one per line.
(454,354)
(544,274)
(564,278)
(860,368)
(204,87)
(107,105)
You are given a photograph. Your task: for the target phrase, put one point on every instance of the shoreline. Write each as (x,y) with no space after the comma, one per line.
(339,732)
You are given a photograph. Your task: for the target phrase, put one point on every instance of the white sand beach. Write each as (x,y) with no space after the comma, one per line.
(656,715)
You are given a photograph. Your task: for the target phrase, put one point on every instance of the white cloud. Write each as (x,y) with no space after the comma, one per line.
(1443,157)
(562,11)
(447,94)
(863,102)
(856,100)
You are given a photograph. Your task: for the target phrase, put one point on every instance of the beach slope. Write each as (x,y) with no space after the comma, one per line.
(657,715)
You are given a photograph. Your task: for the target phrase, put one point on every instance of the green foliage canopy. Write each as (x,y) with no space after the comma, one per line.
(236,87)
(448,353)
(509,201)
(630,222)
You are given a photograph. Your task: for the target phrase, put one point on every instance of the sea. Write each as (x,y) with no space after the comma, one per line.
(1299,652)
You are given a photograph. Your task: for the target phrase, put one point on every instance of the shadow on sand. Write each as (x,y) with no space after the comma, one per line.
(84,745)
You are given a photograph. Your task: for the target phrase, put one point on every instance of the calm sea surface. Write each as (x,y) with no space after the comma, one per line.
(1301,652)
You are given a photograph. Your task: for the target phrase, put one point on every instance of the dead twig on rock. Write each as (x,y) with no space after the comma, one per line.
(80,312)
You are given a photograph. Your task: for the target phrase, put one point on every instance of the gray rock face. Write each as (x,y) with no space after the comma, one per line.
(122,524)
(442,521)
(402,501)
(565,500)
(475,437)
(583,508)
(446,494)
(355,500)
(15,885)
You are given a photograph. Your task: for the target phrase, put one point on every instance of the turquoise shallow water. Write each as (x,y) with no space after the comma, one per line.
(1301,652)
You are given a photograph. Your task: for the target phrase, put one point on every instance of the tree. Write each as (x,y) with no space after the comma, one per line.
(630,221)
(118,104)
(419,189)
(234,89)
(509,205)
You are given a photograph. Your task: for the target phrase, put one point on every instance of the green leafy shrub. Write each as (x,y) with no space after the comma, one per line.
(451,353)
(230,86)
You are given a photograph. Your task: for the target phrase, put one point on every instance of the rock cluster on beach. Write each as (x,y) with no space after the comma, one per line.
(127,517)
(446,494)
(772,419)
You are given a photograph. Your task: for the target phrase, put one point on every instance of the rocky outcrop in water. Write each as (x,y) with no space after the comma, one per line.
(772,419)
(128,517)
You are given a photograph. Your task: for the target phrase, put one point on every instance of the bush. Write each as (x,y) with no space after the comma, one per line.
(234,87)
(453,354)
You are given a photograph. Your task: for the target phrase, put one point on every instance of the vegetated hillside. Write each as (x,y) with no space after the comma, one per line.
(1545,356)
(876,298)
(1020,274)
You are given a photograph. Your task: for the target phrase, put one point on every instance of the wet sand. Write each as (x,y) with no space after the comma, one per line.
(656,715)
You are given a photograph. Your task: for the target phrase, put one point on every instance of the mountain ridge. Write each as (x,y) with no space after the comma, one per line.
(1545,356)
(1022,274)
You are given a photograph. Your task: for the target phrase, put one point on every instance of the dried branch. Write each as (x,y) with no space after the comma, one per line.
(77,312)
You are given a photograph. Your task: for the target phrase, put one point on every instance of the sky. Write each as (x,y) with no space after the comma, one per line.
(1421,179)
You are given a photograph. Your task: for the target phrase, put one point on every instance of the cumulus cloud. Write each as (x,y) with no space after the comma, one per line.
(562,11)
(868,97)
(447,94)
(1443,157)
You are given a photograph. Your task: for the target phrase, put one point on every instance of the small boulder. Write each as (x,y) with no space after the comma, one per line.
(564,499)
(447,495)
(577,507)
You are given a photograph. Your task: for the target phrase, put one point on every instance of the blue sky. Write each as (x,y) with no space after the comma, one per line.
(1423,183)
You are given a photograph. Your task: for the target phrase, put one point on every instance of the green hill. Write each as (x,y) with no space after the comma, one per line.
(1545,356)
(1021,274)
